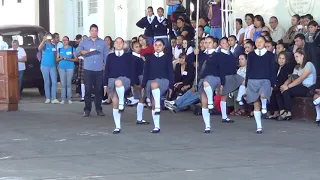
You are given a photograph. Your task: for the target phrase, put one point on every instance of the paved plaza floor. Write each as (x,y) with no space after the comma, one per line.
(54,142)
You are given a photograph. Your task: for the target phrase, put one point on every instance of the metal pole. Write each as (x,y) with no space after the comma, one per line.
(197,39)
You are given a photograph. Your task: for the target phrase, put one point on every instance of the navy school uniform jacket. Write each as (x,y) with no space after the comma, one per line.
(160,28)
(227,65)
(120,66)
(212,65)
(138,63)
(282,76)
(144,24)
(158,68)
(261,67)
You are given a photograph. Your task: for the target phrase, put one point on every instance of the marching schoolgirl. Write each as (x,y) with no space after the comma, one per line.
(160,27)
(229,78)
(157,79)
(209,80)
(146,24)
(260,79)
(119,76)
(139,64)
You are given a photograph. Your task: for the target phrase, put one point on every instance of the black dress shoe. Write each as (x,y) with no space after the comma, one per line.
(143,122)
(100,113)
(227,120)
(155,131)
(116,131)
(122,109)
(86,114)
(259,131)
(207,131)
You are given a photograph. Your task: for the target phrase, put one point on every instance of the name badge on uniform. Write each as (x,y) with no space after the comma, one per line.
(184,73)
(156,26)
(92,49)
(68,53)
(54,49)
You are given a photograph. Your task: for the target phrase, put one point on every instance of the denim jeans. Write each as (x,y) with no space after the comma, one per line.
(20,80)
(187,99)
(216,32)
(66,82)
(93,83)
(49,74)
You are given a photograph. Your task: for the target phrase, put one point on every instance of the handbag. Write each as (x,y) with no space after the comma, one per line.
(293,77)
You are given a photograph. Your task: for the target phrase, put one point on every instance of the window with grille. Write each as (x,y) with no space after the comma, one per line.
(80,13)
(93,6)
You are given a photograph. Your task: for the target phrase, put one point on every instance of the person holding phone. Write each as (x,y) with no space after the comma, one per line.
(48,69)
(66,58)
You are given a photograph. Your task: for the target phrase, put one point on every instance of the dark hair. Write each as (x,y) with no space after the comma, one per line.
(119,38)
(215,40)
(188,45)
(260,18)
(250,15)
(313,23)
(134,43)
(159,40)
(66,37)
(297,17)
(145,38)
(308,16)
(224,38)
(183,54)
(234,37)
(54,35)
(205,19)
(109,37)
(181,19)
(245,55)
(282,44)
(285,56)
(268,38)
(264,39)
(161,8)
(239,21)
(150,7)
(266,33)
(274,17)
(250,42)
(301,52)
(94,26)
(300,36)
(201,27)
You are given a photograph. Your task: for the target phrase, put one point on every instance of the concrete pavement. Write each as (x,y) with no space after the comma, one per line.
(54,142)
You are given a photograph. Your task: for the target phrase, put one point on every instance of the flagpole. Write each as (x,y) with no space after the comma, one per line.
(197,40)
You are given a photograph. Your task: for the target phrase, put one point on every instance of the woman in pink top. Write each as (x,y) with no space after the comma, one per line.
(249,20)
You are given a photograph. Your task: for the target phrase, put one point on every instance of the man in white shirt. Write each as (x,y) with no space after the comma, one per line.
(22,59)
(3,45)
(277,32)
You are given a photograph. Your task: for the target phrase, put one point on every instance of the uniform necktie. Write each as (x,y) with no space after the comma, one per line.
(149,19)
(259,52)
(158,54)
(118,54)
(160,19)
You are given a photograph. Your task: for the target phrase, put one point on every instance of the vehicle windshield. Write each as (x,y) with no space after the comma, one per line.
(26,39)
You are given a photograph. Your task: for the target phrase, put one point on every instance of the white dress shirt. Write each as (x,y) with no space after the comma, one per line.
(21,53)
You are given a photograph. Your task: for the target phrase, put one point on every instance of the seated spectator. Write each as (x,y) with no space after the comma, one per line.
(259,27)
(277,32)
(271,46)
(146,48)
(173,43)
(186,47)
(305,20)
(239,31)
(183,76)
(281,47)
(284,68)
(249,18)
(292,31)
(204,23)
(178,48)
(235,48)
(192,57)
(201,33)
(316,103)
(185,30)
(314,33)
(249,47)
(304,76)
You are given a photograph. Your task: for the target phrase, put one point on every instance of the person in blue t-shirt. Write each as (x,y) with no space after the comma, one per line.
(48,69)
(66,58)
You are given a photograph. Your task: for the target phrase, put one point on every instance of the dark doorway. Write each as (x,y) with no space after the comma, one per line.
(44,18)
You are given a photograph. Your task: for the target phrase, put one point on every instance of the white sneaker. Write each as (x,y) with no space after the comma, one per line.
(62,102)
(47,101)
(55,101)
(70,102)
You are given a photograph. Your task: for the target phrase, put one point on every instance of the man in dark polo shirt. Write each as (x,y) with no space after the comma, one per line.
(214,16)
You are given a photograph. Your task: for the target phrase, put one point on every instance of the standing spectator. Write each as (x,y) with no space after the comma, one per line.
(292,31)
(305,20)
(109,42)
(66,58)
(214,16)
(48,69)
(160,27)
(3,45)
(146,24)
(203,22)
(84,37)
(259,27)
(95,52)
(22,59)
(277,32)
(56,41)
(78,40)
(249,18)
(240,31)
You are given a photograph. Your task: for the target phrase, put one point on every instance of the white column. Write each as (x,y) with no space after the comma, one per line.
(52,14)
(109,22)
(136,10)
(101,17)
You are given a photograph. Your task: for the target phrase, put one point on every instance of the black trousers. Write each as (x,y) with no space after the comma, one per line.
(275,96)
(287,96)
(93,83)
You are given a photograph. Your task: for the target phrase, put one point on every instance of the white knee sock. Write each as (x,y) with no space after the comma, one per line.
(156,95)
(209,93)
(116,118)
(83,90)
(223,106)
(257,117)
(318,112)
(316,101)
(263,103)
(156,120)
(140,107)
(206,117)
(120,93)
(241,92)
